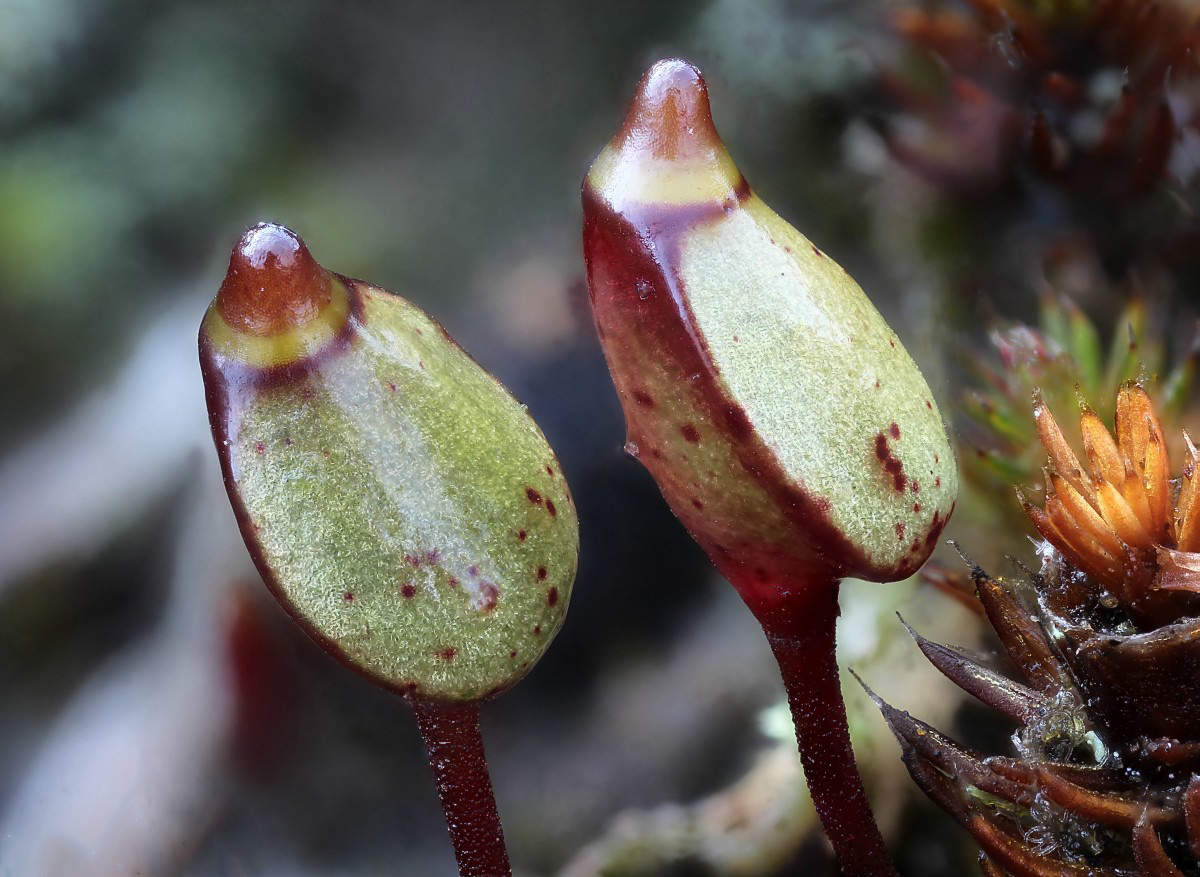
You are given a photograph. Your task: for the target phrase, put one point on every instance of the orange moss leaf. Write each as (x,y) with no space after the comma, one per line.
(1062,458)
(1100,448)
(1121,517)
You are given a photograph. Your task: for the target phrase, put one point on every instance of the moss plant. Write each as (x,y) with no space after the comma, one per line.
(398,502)
(780,415)
(1105,640)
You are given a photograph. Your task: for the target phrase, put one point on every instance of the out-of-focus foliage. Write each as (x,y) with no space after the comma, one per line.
(128,130)
(1062,359)
(1052,120)
(117,120)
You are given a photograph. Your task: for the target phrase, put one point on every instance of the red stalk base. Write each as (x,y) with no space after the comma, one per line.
(455,747)
(803,643)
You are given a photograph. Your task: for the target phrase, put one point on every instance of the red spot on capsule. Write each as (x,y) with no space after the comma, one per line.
(392,386)
(699,505)
(412,560)
(513,653)
(447,653)
(432,555)
(533,495)
(487,598)
(935,528)
(892,341)
(541,573)
(259,448)
(738,423)
(473,571)
(878,385)
(916,507)
(347,597)
(689,432)
(273,283)
(552,597)
(817,251)
(900,531)
(891,463)
(643,399)
(452,582)
(287,441)
(550,507)
(537,630)
(928,404)
(522,535)
(408,590)
(916,486)
(937,482)
(550,471)
(894,429)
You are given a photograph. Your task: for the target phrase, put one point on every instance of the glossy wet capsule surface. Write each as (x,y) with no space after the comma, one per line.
(399,502)
(781,416)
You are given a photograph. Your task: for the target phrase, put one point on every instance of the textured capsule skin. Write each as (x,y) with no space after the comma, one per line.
(400,504)
(782,418)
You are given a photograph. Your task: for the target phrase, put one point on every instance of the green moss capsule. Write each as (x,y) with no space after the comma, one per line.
(398,501)
(784,422)
(781,416)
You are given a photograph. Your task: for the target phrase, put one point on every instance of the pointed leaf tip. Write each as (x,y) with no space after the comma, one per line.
(870,692)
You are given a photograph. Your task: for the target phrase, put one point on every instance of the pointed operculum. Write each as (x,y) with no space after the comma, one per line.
(276,305)
(273,283)
(456,538)
(779,414)
(667,151)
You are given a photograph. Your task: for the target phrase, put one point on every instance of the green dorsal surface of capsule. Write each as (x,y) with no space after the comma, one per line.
(781,416)
(398,501)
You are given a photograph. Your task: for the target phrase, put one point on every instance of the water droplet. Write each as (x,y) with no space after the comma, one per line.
(644,289)
(632,449)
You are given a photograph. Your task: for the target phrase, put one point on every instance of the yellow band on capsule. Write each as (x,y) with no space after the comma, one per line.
(283,348)
(625,177)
